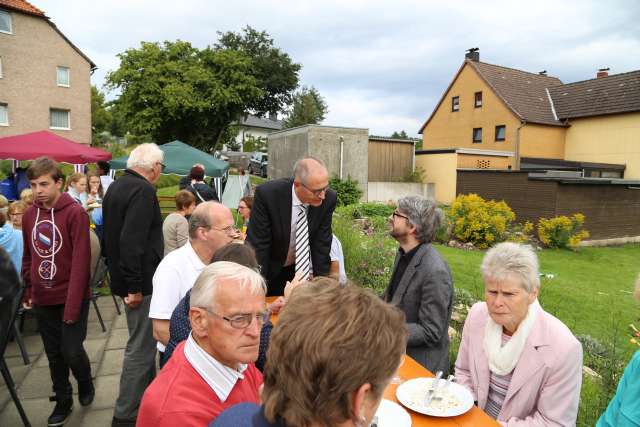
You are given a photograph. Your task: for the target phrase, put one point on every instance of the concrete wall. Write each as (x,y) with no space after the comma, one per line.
(323,142)
(28,85)
(440,170)
(546,142)
(606,139)
(392,191)
(474,161)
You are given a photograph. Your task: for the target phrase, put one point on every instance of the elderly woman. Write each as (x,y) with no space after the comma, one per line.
(244,210)
(175,228)
(308,380)
(522,365)
(624,408)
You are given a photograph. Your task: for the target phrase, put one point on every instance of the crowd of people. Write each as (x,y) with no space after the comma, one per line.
(195,288)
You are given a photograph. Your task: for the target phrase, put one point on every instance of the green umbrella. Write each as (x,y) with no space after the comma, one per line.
(180,157)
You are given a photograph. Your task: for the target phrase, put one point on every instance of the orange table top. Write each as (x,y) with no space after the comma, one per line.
(412,369)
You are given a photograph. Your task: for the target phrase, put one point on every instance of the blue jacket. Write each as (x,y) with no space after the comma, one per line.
(624,408)
(11,241)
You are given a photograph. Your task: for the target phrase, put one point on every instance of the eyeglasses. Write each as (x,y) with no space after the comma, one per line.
(241,321)
(162,166)
(16,214)
(229,230)
(400,215)
(315,192)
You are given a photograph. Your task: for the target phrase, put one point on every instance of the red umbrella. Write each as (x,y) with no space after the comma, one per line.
(32,145)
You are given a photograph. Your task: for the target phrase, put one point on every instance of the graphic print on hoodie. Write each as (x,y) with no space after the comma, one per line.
(57,254)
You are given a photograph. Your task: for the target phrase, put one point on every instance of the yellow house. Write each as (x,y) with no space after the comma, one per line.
(494,117)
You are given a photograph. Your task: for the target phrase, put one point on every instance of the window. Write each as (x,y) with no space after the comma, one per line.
(63,76)
(455,103)
(5,22)
(500,132)
(477,135)
(59,119)
(477,103)
(4,115)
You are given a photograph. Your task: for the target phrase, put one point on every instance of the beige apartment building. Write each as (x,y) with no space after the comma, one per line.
(44,78)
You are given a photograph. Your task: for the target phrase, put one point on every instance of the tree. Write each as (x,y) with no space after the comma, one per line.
(275,73)
(176,91)
(308,108)
(100,116)
(401,135)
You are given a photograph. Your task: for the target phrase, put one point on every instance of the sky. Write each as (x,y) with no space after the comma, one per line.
(381,65)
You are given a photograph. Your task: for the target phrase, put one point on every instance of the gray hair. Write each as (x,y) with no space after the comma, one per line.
(144,156)
(512,259)
(301,168)
(201,217)
(424,214)
(204,290)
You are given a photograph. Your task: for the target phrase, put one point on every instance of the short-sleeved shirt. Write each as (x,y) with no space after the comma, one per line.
(175,275)
(175,231)
(337,255)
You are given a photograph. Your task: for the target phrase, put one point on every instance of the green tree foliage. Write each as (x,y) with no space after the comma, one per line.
(347,190)
(308,108)
(251,143)
(274,71)
(100,116)
(400,135)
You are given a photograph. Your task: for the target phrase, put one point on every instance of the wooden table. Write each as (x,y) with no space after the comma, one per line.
(412,369)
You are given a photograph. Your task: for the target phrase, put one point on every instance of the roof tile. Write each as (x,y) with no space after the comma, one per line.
(22,6)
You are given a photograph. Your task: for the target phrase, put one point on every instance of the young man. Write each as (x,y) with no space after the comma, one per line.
(55,269)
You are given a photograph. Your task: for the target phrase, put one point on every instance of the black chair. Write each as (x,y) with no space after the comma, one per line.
(98,278)
(10,300)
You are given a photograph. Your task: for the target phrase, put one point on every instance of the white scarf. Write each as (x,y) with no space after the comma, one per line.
(502,359)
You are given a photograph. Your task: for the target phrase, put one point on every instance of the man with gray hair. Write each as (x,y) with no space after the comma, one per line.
(290,225)
(133,245)
(214,368)
(211,227)
(421,283)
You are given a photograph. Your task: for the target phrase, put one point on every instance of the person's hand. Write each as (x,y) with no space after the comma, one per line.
(133,300)
(91,200)
(27,305)
(277,305)
(294,283)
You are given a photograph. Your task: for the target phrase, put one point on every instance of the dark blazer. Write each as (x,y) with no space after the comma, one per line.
(269,229)
(132,236)
(425,295)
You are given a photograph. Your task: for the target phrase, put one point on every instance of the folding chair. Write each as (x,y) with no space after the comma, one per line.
(98,278)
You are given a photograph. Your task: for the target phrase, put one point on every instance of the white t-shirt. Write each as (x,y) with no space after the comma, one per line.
(175,275)
(337,255)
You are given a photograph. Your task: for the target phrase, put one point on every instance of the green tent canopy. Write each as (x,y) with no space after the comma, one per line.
(179,158)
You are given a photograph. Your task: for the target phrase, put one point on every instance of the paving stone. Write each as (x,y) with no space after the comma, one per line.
(107,389)
(17,361)
(37,410)
(120,322)
(111,362)
(97,417)
(107,313)
(37,384)
(95,349)
(33,344)
(94,330)
(118,339)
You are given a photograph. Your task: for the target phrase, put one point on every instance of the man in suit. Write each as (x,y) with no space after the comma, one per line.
(290,225)
(421,283)
(133,246)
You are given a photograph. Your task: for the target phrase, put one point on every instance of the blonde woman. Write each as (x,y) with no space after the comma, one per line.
(77,188)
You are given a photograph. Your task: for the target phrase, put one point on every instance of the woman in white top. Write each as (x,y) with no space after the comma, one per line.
(175,227)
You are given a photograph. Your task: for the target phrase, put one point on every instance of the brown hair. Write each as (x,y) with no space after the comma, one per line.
(18,204)
(73,178)
(196,173)
(26,196)
(248,200)
(237,252)
(184,199)
(311,374)
(95,174)
(45,166)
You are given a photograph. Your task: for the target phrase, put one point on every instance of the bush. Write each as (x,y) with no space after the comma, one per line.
(562,231)
(347,190)
(479,221)
(168,181)
(368,210)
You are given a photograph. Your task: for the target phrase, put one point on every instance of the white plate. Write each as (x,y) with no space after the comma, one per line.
(390,414)
(412,393)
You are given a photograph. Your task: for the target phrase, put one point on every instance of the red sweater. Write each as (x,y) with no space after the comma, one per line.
(57,254)
(180,397)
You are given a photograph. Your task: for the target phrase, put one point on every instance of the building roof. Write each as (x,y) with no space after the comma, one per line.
(23,6)
(618,93)
(530,163)
(261,122)
(393,140)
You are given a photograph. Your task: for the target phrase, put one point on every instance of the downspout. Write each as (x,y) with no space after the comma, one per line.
(517,149)
(341,154)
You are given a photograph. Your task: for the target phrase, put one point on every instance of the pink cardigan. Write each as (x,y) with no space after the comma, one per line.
(545,386)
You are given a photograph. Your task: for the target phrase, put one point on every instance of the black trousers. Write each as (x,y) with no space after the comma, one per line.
(63,345)
(275,286)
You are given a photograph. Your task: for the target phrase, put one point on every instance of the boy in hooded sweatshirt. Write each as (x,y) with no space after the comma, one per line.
(55,269)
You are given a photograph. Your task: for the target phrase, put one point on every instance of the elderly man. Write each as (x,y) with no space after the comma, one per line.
(213,369)
(421,283)
(133,245)
(210,228)
(290,225)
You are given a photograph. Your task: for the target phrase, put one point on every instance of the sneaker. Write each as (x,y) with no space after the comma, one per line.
(123,422)
(86,393)
(61,412)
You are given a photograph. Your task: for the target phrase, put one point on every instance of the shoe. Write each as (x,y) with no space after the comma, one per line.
(123,422)
(86,392)
(60,414)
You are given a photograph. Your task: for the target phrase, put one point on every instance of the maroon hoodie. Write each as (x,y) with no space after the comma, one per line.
(57,254)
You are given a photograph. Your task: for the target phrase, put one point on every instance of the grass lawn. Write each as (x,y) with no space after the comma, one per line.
(168,191)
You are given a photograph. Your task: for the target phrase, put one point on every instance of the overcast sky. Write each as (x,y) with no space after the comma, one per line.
(380,65)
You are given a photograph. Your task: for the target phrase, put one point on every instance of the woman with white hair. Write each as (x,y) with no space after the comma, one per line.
(522,365)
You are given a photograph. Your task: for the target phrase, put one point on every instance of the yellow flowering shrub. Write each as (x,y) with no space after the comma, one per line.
(562,231)
(481,222)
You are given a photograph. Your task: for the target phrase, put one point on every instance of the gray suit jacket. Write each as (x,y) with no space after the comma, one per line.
(425,295)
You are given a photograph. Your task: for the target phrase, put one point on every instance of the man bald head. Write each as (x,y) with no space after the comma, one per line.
(310,180)
(211,227)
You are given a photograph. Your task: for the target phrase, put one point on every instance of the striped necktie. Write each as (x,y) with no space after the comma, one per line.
(303,260)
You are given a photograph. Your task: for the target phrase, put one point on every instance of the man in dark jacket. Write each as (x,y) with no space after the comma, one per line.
(55,269)
(133,246)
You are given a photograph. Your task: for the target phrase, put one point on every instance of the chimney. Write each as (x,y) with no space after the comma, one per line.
(543,72)
(473,54)
(602,72)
